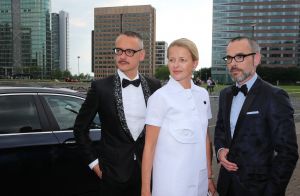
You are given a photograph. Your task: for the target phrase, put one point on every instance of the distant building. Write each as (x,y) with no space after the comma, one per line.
(109,22)
(25,38)
(274,24)
(55,40)
(161,53)
(60,41)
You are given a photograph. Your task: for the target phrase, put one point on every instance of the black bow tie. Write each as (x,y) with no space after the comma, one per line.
(243,89)
(126,82)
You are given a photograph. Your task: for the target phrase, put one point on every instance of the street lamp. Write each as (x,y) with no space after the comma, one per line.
(78,64)
(253,28)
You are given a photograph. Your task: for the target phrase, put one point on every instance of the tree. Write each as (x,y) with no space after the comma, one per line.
(57,74)
(67,74)
(162,73)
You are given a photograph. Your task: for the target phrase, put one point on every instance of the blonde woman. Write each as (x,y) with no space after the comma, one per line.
(177,145)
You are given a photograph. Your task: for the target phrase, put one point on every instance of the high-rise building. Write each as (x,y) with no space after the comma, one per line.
(25,37)
(109,22)
(55,40)
(64,40)
(161,53)
(275,24)
(60,41)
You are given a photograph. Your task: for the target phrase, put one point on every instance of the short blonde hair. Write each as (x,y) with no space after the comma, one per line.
(187,44)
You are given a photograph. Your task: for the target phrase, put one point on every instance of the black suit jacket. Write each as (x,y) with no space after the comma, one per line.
(117,149)
(264,144)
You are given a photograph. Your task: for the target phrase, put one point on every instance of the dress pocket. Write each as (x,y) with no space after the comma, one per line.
(185,132)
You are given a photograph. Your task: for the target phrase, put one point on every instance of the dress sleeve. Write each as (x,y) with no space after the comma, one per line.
(156,110)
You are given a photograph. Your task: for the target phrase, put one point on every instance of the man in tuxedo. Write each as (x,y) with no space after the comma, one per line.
(120,100)
(255,138)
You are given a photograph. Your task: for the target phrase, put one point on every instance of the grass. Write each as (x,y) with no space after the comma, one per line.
(290,89)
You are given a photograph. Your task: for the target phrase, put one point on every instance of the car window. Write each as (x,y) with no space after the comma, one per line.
(65,110)
(18,114)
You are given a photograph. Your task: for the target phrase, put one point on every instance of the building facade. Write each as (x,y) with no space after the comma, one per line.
(161,53)
(60,41)
(109,22)
(55,40)
(275,24)
(25,38)
(64,41)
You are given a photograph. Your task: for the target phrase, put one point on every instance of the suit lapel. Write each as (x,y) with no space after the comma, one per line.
(228,100)
(119,105)
(147,93)
(248,102)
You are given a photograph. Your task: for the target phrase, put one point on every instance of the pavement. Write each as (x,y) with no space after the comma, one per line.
(293,188)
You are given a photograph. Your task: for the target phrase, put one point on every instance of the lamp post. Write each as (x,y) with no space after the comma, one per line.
(253,28)
(78,64)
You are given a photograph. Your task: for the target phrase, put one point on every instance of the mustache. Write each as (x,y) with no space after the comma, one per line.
(234,69)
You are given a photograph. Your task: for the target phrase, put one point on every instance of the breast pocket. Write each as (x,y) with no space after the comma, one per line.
(185,132)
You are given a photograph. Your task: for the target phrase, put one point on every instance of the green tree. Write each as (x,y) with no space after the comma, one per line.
(67,74)
(56,74)
(162,73)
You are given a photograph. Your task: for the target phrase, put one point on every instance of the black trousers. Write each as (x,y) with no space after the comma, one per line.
(132,187)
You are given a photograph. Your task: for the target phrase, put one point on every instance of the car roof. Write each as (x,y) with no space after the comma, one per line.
(13,89)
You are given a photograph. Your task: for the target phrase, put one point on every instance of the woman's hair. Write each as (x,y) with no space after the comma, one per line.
(187,44)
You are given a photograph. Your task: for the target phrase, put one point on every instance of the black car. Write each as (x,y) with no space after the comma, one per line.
(38,153)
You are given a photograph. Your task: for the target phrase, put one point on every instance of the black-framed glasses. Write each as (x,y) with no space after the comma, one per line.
(128,52)
(237,58)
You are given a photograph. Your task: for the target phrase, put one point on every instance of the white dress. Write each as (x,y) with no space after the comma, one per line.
(179,165)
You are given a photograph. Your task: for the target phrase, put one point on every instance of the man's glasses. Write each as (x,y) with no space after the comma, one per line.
(237,58)
(128,52)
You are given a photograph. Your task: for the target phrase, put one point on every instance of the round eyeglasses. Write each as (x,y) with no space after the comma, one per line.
(128,52)
(237,58)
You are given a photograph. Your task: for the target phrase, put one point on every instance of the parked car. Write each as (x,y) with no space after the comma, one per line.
(38,153)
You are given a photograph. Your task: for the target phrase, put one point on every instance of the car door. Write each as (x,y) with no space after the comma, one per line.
(69,173)
(25,146)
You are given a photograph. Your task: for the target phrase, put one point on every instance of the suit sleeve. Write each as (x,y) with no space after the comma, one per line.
(220,134)
(282,126)
(82,124)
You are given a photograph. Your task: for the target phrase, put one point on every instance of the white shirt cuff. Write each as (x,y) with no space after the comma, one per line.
(218,153)
(92,164)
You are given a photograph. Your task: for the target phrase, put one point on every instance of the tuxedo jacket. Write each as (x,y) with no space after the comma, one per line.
(264,144)
(117,151)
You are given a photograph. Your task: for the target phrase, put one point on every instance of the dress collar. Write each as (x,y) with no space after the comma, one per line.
(175,86)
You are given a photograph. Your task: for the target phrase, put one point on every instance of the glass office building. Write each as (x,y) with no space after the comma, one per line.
(25,38)
(60,40)
(275,24)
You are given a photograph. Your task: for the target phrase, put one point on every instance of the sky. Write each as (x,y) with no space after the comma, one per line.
(175,19)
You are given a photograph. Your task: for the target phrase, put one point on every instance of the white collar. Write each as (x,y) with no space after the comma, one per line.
(175,86)
(122,75)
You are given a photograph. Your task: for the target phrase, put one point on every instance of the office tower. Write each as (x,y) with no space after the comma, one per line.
(60,41)
(161,53)
(64,40)
(55,40)
(25,38)
(275,24)
(109,22)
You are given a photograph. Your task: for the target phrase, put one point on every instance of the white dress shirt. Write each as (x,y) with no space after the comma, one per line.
(237,103)
(134,106)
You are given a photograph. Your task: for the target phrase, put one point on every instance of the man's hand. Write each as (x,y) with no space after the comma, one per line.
(222,156)
(98,171)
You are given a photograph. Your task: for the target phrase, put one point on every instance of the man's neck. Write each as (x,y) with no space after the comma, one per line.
(130,74)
